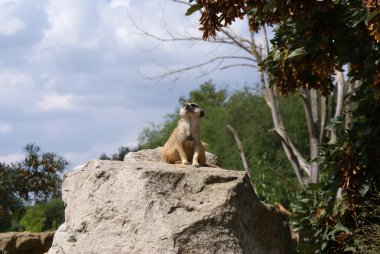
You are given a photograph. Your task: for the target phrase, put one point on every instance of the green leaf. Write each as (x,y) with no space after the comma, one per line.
(333,123)
(339,227)
(352,249)
(297,52)
(371,15)
(364,189)
(324,244)
(319,160)
(193,8)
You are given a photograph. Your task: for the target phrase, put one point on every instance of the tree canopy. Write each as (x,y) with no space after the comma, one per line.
(312,38)
(314,42)
(247,112)
(35,179)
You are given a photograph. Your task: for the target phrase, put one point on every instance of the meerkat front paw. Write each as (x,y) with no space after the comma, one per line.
(196,165)
(185,163)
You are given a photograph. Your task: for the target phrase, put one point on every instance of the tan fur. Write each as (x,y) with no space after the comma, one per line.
(184,144)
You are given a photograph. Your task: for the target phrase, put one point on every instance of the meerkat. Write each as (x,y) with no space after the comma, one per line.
(184,144)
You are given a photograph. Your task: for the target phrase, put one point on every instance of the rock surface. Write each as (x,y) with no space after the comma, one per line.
(25,242)
(142,205)
(153,155)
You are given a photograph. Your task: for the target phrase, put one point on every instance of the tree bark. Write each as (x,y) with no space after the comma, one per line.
(324,117)
(339,102)
(310,100)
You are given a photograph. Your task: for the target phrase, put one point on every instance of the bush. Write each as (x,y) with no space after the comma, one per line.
(33,219)
(43,217)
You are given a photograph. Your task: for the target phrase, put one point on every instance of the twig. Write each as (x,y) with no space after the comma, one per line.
(197,66)
(238,65)
(241,149)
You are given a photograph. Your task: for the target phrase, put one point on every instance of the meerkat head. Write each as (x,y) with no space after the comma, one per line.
(190,109)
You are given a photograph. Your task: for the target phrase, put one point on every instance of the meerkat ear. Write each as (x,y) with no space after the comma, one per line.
(202,113)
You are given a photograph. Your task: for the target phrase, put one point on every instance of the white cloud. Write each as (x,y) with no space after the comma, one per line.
(71,23)
(52,102)
(11,158)
(82,59)
(119,3)
(11,26)
(14,79)
(5,128)
(17,88)
(50,82)
(10,23)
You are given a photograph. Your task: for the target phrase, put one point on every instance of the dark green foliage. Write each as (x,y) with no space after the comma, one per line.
(54,211)
(34,179)
(38,175)
(249,115)
(156,134)
(5,221)
(119,156)
(43,217)
(350,223)
(9,198)
(33,219)
(311,40)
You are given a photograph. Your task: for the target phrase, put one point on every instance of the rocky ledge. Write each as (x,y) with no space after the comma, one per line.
(142,205)
(25,242)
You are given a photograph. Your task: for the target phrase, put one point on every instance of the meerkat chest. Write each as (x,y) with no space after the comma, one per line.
(190,129)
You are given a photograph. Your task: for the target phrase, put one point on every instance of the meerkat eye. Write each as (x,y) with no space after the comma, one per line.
(194,105)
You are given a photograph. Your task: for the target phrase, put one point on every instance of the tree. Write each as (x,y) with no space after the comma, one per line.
(304,35)
(43,216)
(34,179)
(255,52)
(38,176)
(9,199)
(33,219)
(119,156)
(314,42)
(54,211)
(272,176)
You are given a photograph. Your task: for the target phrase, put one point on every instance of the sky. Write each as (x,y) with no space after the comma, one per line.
(79,77)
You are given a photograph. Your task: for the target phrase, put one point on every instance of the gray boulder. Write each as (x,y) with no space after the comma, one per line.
(142,205)
(25,242)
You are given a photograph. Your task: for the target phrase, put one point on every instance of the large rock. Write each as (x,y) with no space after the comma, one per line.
(25,242)
(154,156)
(145,206)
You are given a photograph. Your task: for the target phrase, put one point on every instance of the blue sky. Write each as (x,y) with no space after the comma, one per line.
(73,74)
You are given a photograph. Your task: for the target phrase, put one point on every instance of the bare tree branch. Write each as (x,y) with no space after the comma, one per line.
(182,2)
(240,44)
(266,41)
(295,158)
(310,114)
(339,100)
(324,117)
(292,158)
(340,95)
(221,59)
(314,107)
(241,150)
(237,65)
(353,86)
(257,53)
